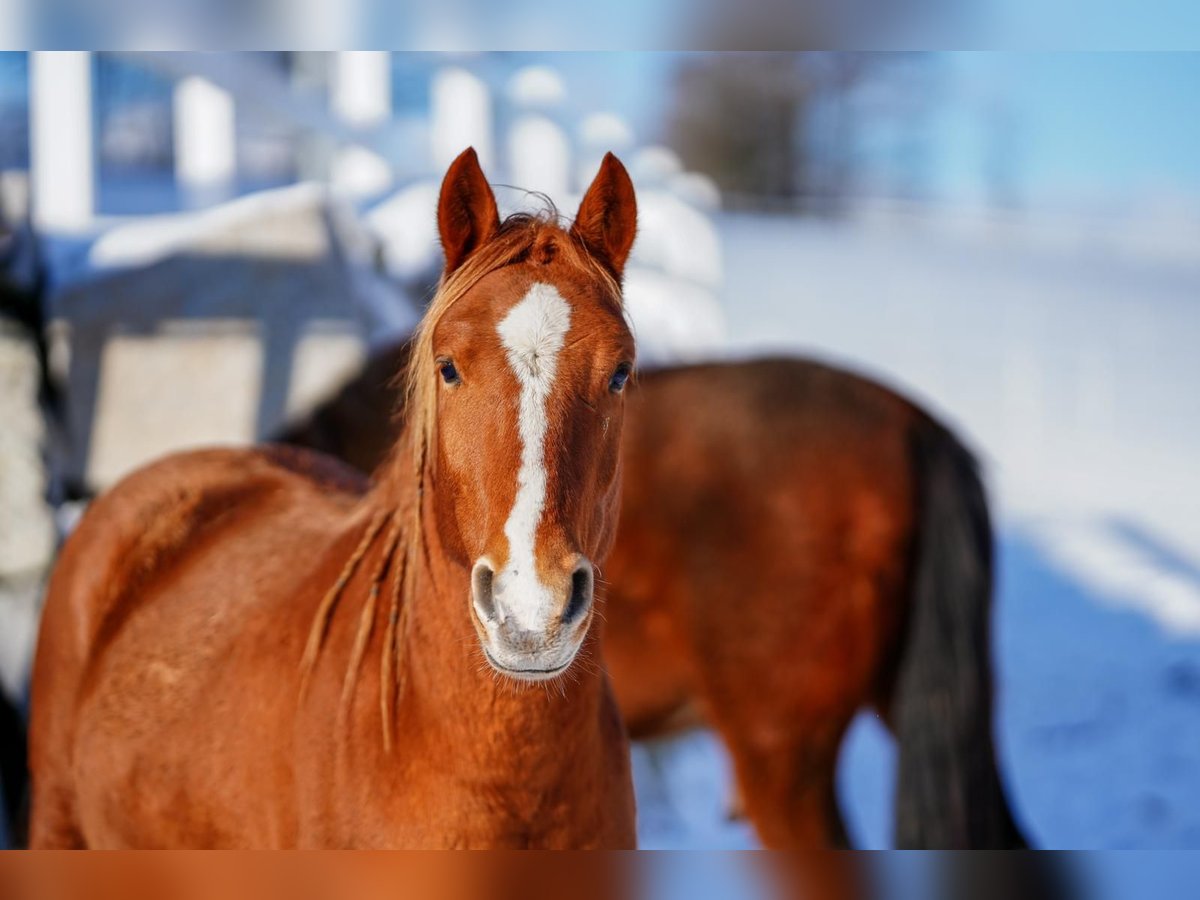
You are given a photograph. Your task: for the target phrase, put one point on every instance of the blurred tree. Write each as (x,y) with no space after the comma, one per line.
(783,129)
(737,117)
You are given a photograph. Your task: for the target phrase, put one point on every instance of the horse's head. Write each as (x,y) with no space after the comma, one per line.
(518,374)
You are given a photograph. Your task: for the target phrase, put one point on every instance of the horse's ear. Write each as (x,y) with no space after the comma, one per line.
(467,215)
(607,217)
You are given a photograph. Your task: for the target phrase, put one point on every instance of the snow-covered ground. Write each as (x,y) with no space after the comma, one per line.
(1073,371)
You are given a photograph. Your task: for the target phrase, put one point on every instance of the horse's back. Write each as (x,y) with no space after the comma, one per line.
(741,402)
(146,606)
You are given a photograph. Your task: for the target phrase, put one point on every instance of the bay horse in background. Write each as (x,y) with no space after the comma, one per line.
(796,543)
(251,648)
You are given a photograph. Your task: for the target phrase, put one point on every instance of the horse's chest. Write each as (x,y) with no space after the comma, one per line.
(453,812)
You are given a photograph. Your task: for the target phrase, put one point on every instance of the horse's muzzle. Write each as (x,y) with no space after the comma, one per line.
(529,631)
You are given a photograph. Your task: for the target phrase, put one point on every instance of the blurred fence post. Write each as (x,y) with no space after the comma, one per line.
(600,133)
(310,25)
(61,153)
(205,126)
(315,150)
(539,153)
(361,96)
(14,35)
(461,117)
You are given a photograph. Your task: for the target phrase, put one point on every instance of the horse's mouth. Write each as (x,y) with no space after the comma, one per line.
(527,674)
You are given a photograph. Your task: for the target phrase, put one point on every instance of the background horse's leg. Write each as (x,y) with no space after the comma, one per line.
(819,875)
(788,786)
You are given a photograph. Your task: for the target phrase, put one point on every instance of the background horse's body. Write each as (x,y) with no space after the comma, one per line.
(819,545)
(795,543)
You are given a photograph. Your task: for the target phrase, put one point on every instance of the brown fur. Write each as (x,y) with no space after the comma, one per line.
(198,597)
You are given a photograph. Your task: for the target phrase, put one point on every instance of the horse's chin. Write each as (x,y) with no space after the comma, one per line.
(531,667)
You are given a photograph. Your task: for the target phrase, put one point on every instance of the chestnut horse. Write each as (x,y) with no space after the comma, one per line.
(795,543)
(246,648)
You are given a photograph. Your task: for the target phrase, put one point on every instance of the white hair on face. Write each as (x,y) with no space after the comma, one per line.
(532,333)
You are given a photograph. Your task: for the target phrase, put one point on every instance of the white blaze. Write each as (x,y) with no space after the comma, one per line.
(532,333)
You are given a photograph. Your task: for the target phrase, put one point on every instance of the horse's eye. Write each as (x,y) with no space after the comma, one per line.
(449,373)
(616,384)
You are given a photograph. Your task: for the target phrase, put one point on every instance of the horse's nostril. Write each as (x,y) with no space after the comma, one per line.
(581,595)
(481,590)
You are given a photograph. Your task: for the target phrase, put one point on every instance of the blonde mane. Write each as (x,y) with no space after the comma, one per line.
(412,457)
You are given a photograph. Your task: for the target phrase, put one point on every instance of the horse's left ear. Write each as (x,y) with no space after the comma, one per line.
(607,217)
(467,216)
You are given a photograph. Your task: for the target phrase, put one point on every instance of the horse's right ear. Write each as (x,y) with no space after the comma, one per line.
(467,215)
(607,217)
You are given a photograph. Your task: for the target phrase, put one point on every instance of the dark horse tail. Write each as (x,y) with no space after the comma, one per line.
(949,793)
(14,774)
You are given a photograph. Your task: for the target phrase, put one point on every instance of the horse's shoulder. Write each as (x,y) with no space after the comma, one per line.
(144,524)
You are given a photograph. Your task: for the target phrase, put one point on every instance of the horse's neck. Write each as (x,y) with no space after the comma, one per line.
(480,712)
